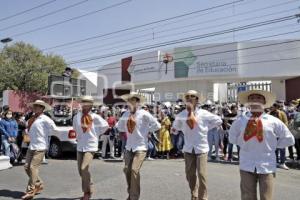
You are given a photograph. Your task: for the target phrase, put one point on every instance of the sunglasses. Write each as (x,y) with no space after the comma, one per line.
(190,97)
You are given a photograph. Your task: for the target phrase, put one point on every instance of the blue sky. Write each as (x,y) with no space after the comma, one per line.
(136,12)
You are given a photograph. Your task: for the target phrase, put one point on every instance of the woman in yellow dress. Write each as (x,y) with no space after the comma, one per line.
(165,144)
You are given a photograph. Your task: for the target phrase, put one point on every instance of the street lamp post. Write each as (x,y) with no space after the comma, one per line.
(166,59)
(5,41)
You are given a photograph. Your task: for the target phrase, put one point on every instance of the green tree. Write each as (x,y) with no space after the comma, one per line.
(24,67)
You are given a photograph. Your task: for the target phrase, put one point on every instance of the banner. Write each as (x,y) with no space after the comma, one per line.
(205,60)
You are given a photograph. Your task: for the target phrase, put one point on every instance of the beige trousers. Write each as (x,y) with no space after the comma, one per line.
(32,165)
(249,182)
(195,164)
(84,159)
(133,164)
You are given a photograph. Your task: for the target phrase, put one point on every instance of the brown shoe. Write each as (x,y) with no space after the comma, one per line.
(86,196)
(39,189)
(27,196)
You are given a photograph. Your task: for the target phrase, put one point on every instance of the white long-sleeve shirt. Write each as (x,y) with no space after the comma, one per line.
(260,156)
(196,138)
(40,131)
(88,141)
(145,123)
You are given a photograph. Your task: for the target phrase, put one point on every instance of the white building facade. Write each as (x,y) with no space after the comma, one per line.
(205,68)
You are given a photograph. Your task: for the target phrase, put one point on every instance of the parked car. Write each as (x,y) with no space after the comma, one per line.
(63,140)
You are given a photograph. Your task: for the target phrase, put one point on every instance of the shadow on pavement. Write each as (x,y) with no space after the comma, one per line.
(293,165)
(11,194)
(66,199)
(56,198)
(18,195)
(113,160)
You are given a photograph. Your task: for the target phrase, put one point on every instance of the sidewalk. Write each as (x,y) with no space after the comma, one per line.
(4,163)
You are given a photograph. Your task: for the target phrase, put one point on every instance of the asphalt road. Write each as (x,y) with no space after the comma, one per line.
(160,180)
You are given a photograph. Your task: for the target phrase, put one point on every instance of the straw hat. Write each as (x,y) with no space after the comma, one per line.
(296,102)
(269,97)
(195,93)
(167,104)
(126,97)
(208,102)
(89,99)
(177,107)
(41,103)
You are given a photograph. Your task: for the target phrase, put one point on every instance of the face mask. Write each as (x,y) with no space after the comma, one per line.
(9,116)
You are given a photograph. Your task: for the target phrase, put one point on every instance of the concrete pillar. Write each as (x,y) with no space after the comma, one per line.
(222,92)
(278,88)
(172,91)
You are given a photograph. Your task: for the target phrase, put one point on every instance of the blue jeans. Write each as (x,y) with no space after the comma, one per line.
(5,145)
(178,141)
(151,149)
(230,151)
(281,158)
(213,138)
(123,145)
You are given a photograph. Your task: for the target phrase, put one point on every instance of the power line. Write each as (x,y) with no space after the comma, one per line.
(70,19)
(227,51)
(142,25)
(122,34)
(254,25)
(206,41)
(244,56)
(209,54)
(43,16)
(208,21)
(26,11)
(222,45)
(218,45)
(168,35)
(232,64)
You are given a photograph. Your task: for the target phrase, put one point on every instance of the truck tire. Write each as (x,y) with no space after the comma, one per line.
(55,150)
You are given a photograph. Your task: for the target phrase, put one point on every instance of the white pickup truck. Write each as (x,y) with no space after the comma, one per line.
(63,140)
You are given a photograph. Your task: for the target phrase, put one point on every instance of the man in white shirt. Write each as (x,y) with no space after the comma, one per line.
(195,123)
(137,123)
(39,127)
(258,134)
(88,127)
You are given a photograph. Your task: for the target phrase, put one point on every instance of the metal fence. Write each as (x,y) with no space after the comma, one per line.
(234,88)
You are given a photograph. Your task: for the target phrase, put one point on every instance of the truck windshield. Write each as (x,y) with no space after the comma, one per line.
(61,115)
